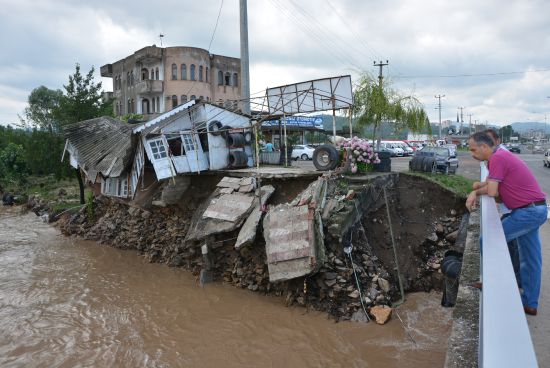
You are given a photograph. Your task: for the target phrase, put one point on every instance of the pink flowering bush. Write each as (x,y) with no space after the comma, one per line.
(362,156)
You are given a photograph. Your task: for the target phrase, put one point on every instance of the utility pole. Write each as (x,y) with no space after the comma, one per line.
(381,65)
(245,72)
(461,117)
(439,108)
(380,76)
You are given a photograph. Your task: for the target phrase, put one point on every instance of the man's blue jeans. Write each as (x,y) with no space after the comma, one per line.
(523,225)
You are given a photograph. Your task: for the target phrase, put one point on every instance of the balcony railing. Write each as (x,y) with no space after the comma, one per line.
(149,86)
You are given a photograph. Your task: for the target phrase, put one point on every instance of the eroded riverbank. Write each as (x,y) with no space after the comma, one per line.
(69,302)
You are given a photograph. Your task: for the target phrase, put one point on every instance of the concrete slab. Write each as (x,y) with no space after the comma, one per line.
(247,234)
(290,242)
(229,207)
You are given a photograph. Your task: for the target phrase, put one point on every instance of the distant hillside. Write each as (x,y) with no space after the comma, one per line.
(523,127)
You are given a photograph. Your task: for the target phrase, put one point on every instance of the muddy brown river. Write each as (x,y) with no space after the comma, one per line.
(66,302)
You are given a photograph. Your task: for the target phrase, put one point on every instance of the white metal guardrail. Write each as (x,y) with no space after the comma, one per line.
(504,337)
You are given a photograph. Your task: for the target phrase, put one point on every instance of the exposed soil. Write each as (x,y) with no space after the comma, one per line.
(423,218)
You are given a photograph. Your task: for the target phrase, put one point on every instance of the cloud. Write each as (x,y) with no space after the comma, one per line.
(296,40)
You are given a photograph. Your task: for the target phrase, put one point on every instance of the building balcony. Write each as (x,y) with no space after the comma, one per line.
(149,86)
(107,71)
(148,54)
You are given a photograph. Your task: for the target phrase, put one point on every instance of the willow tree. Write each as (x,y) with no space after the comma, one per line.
(375,102)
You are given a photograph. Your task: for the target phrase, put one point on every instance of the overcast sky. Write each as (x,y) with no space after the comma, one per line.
(491,57)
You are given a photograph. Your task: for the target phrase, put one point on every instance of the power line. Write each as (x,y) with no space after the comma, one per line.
(216,26)
(472,75)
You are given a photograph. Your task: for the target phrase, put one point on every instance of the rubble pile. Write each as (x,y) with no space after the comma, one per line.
(356,268)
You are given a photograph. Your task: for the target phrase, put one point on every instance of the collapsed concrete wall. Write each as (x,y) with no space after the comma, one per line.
(346,235)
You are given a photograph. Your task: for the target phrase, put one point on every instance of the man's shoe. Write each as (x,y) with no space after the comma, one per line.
(530,311)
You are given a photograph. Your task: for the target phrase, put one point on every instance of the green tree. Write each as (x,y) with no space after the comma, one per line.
(82,99)
(12,163)
(375,103)
(42,104)
(505,133)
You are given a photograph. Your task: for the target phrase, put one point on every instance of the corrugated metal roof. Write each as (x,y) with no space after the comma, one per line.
(101,145)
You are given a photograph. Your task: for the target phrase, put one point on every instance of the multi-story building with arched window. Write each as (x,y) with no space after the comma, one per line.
(154,80)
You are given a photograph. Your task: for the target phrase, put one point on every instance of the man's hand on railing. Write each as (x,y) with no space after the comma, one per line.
(471,201)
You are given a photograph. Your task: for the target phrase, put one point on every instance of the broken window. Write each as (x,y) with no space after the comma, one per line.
(157,148)
(200,73)
(157,73)
(175,146)
(220,78)
(183,99)
(235,79)
(144,74)
(227,79)
(192,71)
(174,101)
(193,97)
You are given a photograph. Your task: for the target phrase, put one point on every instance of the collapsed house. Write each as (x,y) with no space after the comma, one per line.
(197,136)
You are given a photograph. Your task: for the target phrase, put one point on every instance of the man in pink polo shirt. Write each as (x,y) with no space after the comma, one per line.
(510,179)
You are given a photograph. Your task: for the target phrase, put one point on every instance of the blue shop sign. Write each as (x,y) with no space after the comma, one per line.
(311,122)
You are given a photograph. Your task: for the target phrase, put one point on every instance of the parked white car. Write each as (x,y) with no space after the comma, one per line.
(302,152)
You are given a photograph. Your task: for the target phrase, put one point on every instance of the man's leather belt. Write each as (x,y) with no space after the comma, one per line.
(533,204)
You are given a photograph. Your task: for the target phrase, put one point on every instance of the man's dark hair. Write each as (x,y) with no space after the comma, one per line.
(483,138)
(493,133)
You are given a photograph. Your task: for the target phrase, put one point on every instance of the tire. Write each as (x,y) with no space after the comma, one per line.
(214,127)
(224,131)
(237,159)
(235,140)
(325,157)
(427,164)
(417,163)
(304,157)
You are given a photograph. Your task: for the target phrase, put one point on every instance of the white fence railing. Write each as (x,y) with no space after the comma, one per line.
(504,337)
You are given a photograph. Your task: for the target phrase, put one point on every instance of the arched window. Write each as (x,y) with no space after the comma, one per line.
(183,99)
(145,106)
(157,73)
(183,72)
(193,97)
(144,74)
(227,79)
(174,72)
(206,75)
(220,78)
(192,71)
(152,73)
(200,73)
(174,100)
(235,80)
(153,107)
(127,79)
(132,78)
(158,104)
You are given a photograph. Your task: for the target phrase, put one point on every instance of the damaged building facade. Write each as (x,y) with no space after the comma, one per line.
(116,157)
(154,80)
